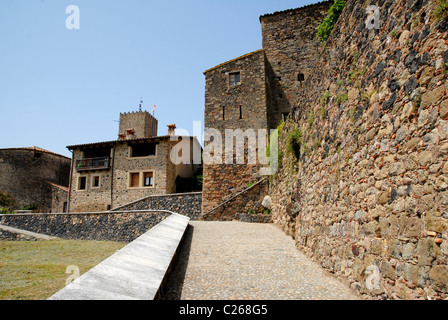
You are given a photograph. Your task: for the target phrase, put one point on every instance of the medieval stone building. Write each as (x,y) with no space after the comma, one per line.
(36,178)
(256,91)
(107,175)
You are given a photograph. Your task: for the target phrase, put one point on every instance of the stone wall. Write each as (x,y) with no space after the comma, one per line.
(11,236)
(188,204)
(102,226)
(249,200)
(28,173)
(242,106)
(142,122)
(291,49)
(364,190)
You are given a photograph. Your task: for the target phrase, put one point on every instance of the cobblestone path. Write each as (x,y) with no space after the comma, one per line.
(245,261)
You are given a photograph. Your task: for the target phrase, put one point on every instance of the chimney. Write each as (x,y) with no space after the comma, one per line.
(130,134)
(171,129)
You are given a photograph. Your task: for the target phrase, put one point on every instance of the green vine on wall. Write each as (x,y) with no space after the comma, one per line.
(325,28)
(294,143)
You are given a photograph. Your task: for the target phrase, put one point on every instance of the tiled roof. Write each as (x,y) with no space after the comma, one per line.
(114,142)
(242,57)
(57,186)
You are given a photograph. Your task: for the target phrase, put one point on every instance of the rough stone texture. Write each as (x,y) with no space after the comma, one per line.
(291,49)
(369,188)
(6,235)
(247,201)
(247,261)
(102,226)
(222,112)
(142,123)
(34,176)
(187,204)
(269,86)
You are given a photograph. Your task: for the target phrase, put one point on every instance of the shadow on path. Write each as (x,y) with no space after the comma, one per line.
(175,280)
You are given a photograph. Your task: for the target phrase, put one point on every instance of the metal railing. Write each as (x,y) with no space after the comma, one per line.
(93,164)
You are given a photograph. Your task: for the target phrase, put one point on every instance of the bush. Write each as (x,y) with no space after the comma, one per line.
(5,211)
(294,143)
(6,200)
(325,28)
(30,207)
(441,10)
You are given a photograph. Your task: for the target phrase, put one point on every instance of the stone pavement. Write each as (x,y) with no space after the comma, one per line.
(247,261)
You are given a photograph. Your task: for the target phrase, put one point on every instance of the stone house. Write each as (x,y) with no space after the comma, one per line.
(256,91)
(110,174)
(36,178)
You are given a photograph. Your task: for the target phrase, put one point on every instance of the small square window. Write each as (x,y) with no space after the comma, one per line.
(148,179)
(96,182)
(134,181)
(234,78)
(82,183)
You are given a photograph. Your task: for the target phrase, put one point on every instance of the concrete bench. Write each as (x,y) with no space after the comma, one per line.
(136,272)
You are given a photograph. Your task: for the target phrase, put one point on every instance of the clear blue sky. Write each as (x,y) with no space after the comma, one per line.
(60,87)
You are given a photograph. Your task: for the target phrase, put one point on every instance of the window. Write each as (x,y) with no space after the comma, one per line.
(148,179)
(82,183)
(234,78)
(143,150)
(144,179)
(134,180)
(96,182)
(241,112)
(223,113)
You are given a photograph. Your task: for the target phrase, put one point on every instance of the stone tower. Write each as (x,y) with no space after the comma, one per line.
(137,125)
(256,91)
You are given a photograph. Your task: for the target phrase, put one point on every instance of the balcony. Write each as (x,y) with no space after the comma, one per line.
(102,163)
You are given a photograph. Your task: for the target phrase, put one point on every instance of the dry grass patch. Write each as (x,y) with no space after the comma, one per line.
(37,270)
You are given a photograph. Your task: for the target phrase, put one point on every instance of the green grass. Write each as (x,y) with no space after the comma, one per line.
(441,10)
(37,270)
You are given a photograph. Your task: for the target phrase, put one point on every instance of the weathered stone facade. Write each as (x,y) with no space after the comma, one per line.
(255,92)
(187,204)
(241,106)
(100,226)
(291,48)
(243,204)
(114,187)
(139,124)
(365,191)
(35,177)
(107,175)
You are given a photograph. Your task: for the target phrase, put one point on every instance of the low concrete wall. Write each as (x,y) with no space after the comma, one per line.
(136,272)
(188,204)
(124,226)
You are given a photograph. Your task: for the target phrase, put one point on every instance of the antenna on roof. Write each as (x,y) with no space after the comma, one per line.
(141,101)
